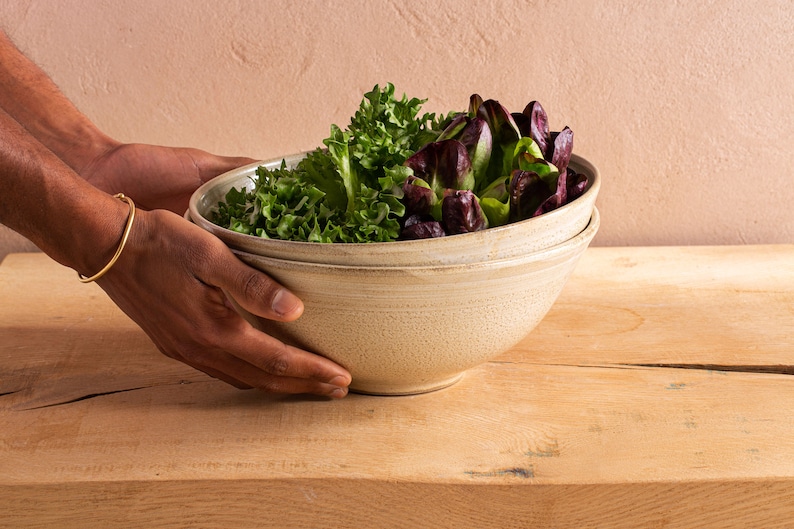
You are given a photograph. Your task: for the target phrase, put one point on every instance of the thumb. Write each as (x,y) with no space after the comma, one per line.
(259,294)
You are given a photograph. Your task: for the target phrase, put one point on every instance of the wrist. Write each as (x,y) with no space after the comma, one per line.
(44,200)
(122,243)
(79,144)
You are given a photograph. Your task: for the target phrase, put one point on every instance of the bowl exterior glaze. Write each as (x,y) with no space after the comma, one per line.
(503,242)
(406,330)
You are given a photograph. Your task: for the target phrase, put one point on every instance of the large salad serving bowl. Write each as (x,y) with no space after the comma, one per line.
(503,242)
(412,329)
(409,317)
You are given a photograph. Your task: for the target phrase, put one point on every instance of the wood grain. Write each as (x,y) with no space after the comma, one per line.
(656,393)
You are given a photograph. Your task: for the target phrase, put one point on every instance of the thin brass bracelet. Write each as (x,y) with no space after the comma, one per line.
(123,242)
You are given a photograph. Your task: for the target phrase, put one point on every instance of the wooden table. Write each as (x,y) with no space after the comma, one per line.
(658,392)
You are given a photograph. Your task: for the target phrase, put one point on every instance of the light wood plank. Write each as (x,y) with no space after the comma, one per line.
(581,425)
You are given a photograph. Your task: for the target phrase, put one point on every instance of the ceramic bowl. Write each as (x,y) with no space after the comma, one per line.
(413,329)
(503,242)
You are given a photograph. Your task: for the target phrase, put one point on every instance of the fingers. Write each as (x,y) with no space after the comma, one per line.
(243,375)
(284,368)
(258,293)
(208,333)
(211,165)
(253,358)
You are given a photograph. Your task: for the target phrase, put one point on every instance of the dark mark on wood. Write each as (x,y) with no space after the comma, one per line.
(552,450)
(524,473)
(85,397)
(758,369)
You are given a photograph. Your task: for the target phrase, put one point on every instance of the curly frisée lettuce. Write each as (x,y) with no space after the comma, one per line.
(394,174)
(350,191)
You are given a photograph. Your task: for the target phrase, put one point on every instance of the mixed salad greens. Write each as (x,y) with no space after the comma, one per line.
(396,174)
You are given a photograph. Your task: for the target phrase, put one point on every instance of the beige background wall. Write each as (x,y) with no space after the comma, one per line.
(686,107)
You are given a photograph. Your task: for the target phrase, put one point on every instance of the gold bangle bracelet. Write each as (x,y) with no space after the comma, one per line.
(123,242)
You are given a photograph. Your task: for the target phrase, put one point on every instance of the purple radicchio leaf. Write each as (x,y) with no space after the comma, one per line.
(527,192)
(461,213)
(477,139)
(421,227)
(444,165)
(503,127)
(475,101)
(577,183)
(538,127)
(563,145)
(562,149)
(556,200)
(418,198)
(574,184)
(505,135)
(475,135)
(455,127)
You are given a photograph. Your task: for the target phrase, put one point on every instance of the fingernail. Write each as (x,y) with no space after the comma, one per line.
(285,302)
(338,393)
(340,381)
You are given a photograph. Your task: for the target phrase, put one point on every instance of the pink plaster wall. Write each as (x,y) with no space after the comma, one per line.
(686,107)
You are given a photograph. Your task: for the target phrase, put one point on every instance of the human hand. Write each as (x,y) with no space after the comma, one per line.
(156,177)
(171,280)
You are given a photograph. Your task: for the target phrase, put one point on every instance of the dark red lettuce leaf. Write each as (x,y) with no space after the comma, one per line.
(577,183)
(475,101)
(478,140)
(562,149)
(574,185)
(561,156)
(527,192)
(417,199)
(421,227)
(454,128)
(475,135)
(503,127)
(461,213)
(444,165)
(538,127)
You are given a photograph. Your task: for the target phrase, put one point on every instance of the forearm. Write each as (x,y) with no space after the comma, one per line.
(43,199)
(29,96)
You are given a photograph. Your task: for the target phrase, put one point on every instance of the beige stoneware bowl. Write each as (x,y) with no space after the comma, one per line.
(503,242)
(412,329)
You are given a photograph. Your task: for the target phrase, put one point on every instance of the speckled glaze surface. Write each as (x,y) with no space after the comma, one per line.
(405,330)
(503,242)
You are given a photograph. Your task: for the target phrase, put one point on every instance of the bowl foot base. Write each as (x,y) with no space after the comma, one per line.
(397,390)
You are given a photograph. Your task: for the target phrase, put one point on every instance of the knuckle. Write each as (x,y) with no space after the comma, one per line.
(256,285)
(277,363)
(197,356)
(270,386)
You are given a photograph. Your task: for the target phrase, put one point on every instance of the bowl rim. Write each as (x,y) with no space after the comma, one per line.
(559,251)
(229,236)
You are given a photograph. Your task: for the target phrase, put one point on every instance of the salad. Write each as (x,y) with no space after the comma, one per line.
(397,174)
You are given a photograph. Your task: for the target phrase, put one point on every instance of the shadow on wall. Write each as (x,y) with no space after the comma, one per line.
(12,242)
